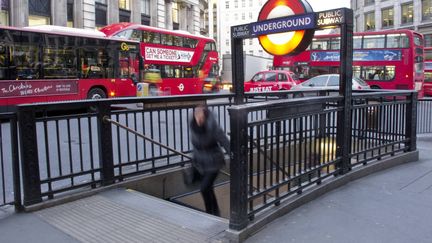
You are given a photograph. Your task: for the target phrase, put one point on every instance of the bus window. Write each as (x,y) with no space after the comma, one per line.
(397,41)
(26,59)
(190,43)
(357,42)
(151,37)
(59,59)
(335,44)
(167,39)
(320,44)
(3,61)
(373,41)
(357,72)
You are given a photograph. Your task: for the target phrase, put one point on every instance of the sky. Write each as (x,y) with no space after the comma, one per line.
(321,5)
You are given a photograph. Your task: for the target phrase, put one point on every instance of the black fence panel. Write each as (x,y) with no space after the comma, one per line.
(10,184)
(291,145)
(424,116)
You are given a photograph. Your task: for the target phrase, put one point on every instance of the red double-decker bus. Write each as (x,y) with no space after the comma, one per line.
(176,62)
(54,63)
(391,59)
(427,86)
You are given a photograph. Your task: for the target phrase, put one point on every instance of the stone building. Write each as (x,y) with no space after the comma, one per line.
(188,15)
(373,15)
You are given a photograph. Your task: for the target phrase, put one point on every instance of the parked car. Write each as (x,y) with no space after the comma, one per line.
(329,81)
(273,80)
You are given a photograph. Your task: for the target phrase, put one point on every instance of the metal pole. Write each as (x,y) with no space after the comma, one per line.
(238,167)
(29,156)
(237,67)
(345,80)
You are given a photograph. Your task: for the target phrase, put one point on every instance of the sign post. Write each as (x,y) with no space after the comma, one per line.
(301,28)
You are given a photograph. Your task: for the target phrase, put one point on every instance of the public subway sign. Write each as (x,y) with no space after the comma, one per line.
(168,55)
(286,27)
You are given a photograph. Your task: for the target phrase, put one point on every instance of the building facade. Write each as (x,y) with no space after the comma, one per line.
(237,12)
(90,14)
(370,15)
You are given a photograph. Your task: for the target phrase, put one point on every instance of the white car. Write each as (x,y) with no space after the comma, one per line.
(329,81)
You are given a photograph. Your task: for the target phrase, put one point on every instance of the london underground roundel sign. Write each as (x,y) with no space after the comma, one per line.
(285,43)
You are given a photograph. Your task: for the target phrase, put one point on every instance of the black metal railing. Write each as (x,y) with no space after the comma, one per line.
(10,185)
(70,146)
(424,114)
(292,144)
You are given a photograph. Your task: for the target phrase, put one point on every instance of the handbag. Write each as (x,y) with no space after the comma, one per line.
(190,176)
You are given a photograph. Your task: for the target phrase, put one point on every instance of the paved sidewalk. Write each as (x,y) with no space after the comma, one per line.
(393,205)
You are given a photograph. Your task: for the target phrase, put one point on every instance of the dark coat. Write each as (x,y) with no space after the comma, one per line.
(207,141)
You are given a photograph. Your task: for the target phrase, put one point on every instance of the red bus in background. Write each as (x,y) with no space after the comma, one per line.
(390,59)
(52,63)
(427,86)
(177,62)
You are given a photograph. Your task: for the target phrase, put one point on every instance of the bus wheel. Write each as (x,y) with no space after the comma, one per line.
(96,93)
(153,90)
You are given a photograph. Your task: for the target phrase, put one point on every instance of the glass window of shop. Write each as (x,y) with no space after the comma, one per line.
(426,10)
(407,14)
(387,16)
(369,21)
(39,12)
(4,12)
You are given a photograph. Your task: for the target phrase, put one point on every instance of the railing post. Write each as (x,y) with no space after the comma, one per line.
(343,139)
(238,169)
(29,156)
(411,123)
(15,164)
(106,158)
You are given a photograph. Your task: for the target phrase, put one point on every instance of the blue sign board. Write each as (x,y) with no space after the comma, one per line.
(292,23)
(277,25)
(367,55)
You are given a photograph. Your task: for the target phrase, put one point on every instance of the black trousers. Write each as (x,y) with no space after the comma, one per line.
(208,194)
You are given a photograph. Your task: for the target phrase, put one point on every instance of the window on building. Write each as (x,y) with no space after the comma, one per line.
(236,16)
(145,12)
(101,14)
(243,16)
(250,3)
(124,4)
(369,2)
(407,13)
(243,3)
(387,16)
(175,14)
(250,15)
(70,7)
(426,10)
(39,12)
(251,42)
(4,12)
(227,4)
(369,21)
(235,3)
(357,24)
(145,7)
